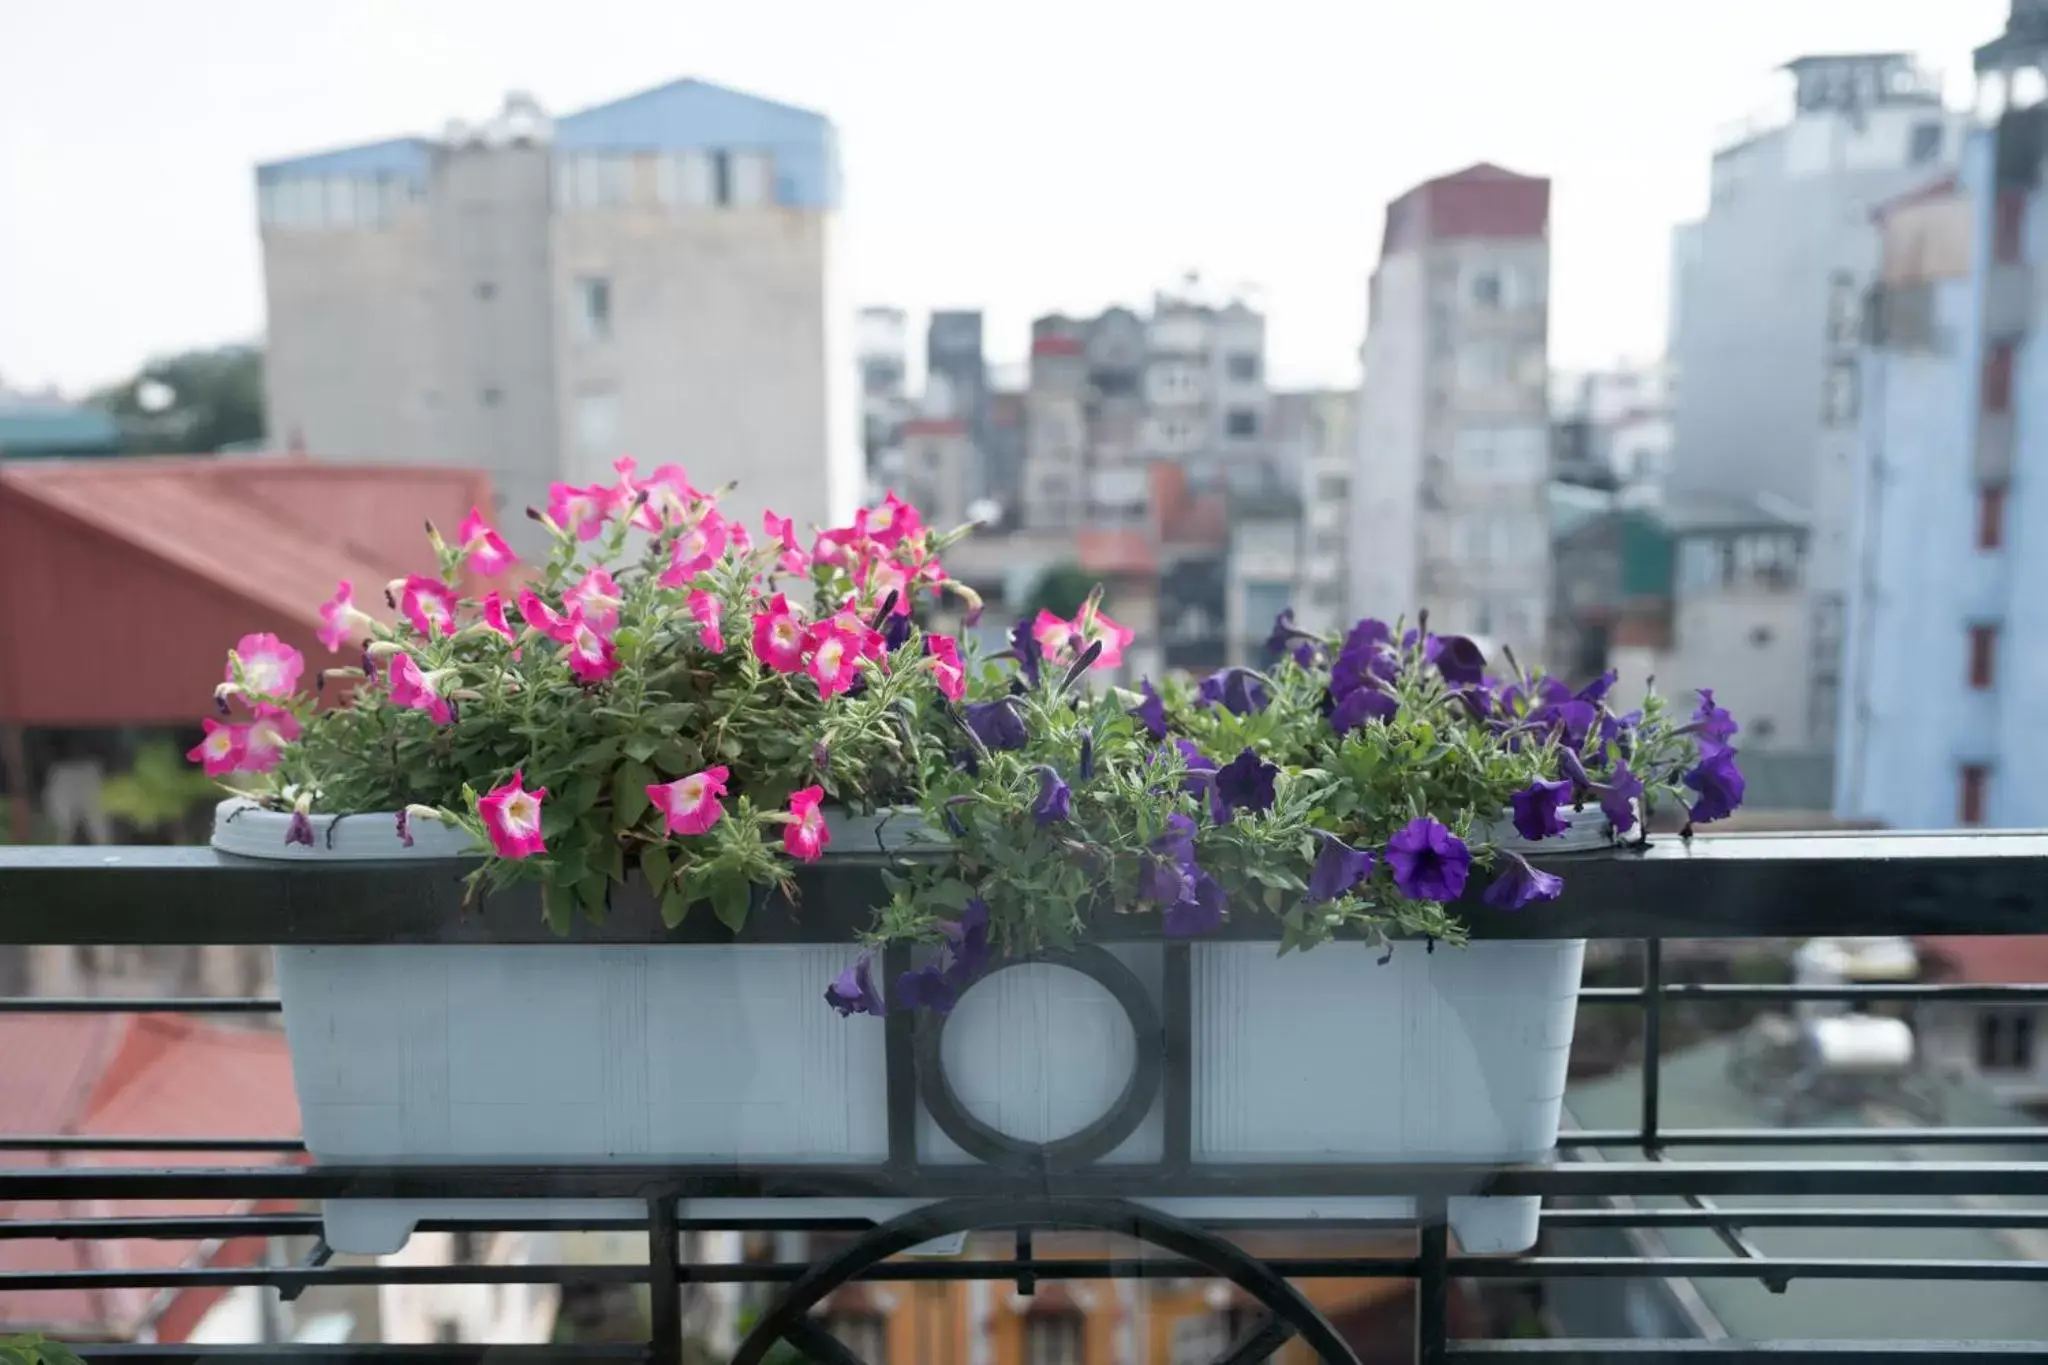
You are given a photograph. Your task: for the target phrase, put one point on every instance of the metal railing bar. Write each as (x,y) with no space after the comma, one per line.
(1433,1281)
(366,1353)
(224,1226)
(1560,1180)
(148,1004)
(317,1255)
(664,1282)
(1728,1232)
(1653,1041)
(1807,1137)
(1728,990)
(1796,1218)
(1718,1268)
(290,1277)
(71,1142)
(1645,1352)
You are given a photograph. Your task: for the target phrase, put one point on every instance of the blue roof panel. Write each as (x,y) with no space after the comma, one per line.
(693,115)
(400,156)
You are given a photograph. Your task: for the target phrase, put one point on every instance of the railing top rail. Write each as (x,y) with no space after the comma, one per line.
(1725,886)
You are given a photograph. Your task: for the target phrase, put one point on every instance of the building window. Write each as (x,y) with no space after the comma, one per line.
(1486,291)
(864,1334)
(2005,1040)
(2007,227)
(1055,1339)
(1926,144)
(1332,488)
(1998,378)
(1991,517)
(1838,408)
(1983,657)
(1760,636)
(721,177)
(1976,782)
(486,291)
(594,308)
(1241,422)
(1763,727)
(492,397)
(1242,366)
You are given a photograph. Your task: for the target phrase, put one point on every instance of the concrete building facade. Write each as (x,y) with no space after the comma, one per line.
(1313,443)
(1448,509)
(652,276)
(1768,288)
(1948,634)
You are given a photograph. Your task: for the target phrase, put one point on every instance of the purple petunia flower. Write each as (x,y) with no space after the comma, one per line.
(895,631)
(1536,809)
(967,941)
(1430,863)
(997,724)
(1363,703)
(1339,867)
(1719,784)
(1282,633)
(1151,712)
(1237,690)
(1024,648)
(1713,723)
(1055,799)
(1199,912)
(1169,875)
(1618,798)
(1459,659)
(1201,768)
(1518,884)
(1366,657)
(1246,783)
(1596,691)
(1306,653)
(854,991)
(1569,719)
(300,831)
(405,828)
(927,988)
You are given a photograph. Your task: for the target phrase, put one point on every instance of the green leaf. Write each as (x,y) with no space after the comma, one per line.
(640,748)
(655,866)
(557,906)
(590,891)
(630,782)
(676,758)
(731,897)
(675,904)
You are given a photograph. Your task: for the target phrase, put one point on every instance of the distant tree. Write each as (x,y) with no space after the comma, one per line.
(1060,590)
(194,402)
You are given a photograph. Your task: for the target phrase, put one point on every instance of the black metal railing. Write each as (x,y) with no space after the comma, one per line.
(1732,887)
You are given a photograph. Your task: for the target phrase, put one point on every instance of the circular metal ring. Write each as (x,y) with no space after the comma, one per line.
(1099,1138)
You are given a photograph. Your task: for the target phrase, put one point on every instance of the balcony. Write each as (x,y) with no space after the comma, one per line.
(1653,1199)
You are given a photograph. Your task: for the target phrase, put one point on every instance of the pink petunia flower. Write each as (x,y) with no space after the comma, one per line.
(892,521)
(542,617)
(493,610)
(866,639)
(339,616)
(833,656)
(485,549)
(695,550)
(429,604)
(781,530)
(878,578)
(220,753)
(704,609)
(264,737)
(597,597)
(671,500)
(806,837)
(691,803)
(270,667)
(592,655)
(1055,635)
(511,817)
(738,540)
(1094,626)
(779,637)
(416,689)
(580,511)
(947,669)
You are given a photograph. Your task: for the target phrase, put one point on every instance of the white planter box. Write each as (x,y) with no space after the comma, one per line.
(729,1055)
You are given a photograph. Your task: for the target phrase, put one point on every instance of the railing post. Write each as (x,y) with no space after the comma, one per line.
(1653,1039)
(1432,1282)
(664,1282)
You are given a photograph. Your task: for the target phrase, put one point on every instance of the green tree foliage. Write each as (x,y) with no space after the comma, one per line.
(194,402)
(1060,590)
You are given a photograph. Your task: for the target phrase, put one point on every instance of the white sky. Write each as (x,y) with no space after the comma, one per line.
(1018,156)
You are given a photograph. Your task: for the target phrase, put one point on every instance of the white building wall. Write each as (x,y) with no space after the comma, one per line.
(1386,476)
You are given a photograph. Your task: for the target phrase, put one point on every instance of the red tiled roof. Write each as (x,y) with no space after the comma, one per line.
(1998,961)
(142,572)
(1056,345)
(115,1076)
(1116,552)
(935,426)
(1482,200)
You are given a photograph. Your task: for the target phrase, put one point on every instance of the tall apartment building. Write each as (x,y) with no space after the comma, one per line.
(536,296)
(1448,508)
(1947,654)
(1768,294)
(1313,445)
(1055,474)
(880,339)
(1205,382)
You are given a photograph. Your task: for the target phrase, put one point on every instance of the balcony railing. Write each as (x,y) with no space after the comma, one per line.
(1732,887)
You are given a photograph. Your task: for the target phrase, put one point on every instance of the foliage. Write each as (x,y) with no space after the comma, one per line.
(613,691)
(35,1349)
(1061,590)
(156,791)
(215,400)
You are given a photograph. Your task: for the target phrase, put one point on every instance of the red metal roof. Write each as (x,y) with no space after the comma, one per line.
(128,579)
(935,426)
(1999,961)
(1056,345)
(124,1076)
(1482,200)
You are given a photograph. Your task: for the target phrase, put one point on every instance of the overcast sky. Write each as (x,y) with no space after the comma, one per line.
(1020,157)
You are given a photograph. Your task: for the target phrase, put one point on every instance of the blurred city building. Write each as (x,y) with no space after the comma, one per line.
(880,342)
(1313,445)
(34,425)
(1612,428)
(1453,437)
(537,296)
(1766,303)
